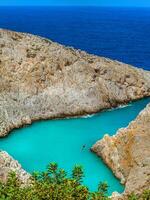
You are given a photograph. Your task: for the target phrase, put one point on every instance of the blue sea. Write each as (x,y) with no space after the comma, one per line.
(118,33)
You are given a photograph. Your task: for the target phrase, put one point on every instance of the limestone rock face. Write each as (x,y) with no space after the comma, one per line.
(40,79)
(128,153)
(8,164)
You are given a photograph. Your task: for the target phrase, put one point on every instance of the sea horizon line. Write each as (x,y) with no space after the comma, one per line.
(98,6)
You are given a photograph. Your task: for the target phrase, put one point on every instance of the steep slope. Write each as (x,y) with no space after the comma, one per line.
(40,79)
(8,164)
(128,153)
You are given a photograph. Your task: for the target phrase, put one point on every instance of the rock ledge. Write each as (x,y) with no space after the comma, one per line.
(128,154)
(8,164)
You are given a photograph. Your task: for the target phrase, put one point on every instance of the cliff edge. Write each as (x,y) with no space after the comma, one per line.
(8,165)
(40,79)
(128,153)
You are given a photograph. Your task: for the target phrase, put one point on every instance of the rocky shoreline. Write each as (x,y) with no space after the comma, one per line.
(8,165)
(40,79)
(127,153)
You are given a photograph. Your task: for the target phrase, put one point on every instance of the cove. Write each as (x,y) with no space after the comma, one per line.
(61,141)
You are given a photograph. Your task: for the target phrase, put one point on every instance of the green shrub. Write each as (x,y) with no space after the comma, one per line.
(144,196)
(53,184)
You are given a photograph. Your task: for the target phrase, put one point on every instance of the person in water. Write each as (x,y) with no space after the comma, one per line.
(83,147)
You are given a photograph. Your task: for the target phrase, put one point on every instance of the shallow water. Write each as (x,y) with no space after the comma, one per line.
(61,141)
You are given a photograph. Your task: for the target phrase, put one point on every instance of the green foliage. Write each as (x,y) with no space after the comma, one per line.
(133,197)
(77,173)
(103,188)
(144,196)
(53,184)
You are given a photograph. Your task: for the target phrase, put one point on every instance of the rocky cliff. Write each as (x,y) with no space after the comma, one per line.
(40,79)
(128,153)
(8,164)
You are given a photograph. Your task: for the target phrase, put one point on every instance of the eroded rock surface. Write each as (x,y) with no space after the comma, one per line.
(8,164)
(40,79)
(128,153)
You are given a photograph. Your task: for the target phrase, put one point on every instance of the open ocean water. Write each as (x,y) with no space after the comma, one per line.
(118,33)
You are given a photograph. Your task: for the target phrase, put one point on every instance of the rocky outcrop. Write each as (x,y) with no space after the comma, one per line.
(40,79)
(8,165)
(128,153)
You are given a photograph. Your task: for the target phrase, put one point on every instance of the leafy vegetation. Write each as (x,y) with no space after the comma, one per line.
(53,184)
(144,196)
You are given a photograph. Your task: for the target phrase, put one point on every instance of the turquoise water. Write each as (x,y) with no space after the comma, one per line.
(61,141)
